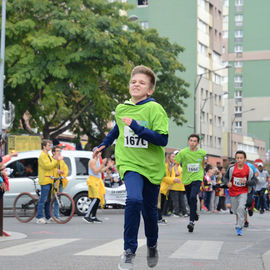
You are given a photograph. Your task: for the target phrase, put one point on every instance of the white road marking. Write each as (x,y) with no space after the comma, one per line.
(32,247)
(113,248)
(202,250)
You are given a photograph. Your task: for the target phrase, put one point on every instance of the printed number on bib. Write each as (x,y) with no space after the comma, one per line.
(193,167)
(133,140)
(237,182)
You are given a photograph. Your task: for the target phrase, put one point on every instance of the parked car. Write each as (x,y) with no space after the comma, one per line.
(26,164)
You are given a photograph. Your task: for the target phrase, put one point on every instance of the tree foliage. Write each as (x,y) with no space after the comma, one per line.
(68,65)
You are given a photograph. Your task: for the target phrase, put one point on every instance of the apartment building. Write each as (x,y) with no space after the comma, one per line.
(197,26)
(248,51)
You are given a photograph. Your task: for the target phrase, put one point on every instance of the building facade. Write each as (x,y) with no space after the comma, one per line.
(197,26)
(249,54)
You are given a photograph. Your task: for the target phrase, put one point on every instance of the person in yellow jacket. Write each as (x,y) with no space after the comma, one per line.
(60,171)
(46,166)
(165,186)
(96,189)
(177,193)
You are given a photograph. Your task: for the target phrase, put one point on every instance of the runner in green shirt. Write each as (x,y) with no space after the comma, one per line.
(192,161)
(141,131)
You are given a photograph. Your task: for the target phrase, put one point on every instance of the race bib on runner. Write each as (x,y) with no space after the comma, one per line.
(237,182)
(193,167)
(133,140)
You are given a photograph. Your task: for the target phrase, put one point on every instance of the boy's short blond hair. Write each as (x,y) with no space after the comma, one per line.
(148,72)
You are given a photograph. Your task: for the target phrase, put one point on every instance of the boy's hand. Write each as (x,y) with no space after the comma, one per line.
(98,150)
(229,185)
(127,120)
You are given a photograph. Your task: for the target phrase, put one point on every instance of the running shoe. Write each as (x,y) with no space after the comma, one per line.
(87,219)
(41,221)
(239,231)
(246,224)
(250,212)
(162,221)
(197,217)
(96,220)
(126,260)
(152,256)
(190,227)
(261,211)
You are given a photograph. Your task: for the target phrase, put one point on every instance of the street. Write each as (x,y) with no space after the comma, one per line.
(78,245)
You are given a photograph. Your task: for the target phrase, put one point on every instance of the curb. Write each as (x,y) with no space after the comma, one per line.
(12,236)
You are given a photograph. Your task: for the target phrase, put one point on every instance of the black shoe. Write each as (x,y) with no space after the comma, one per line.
(250,212)
(246,224)
(231,212)
(261,211)
(197,217)
(152,256)
(87,219)
(96,220)
(190,227)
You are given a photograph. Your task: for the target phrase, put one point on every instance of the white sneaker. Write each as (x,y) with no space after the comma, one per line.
(50,220)
(41,221)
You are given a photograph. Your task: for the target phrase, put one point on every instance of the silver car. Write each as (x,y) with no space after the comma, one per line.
(26,164)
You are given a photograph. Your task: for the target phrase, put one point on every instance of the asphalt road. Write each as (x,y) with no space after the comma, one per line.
(78,245)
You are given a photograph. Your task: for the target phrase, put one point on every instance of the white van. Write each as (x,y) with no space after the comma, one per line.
(77,162)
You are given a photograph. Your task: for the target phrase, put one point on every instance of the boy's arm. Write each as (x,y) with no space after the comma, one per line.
(108,140)
(226,177)
(148,134)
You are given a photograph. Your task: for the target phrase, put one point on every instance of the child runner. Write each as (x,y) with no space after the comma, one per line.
(142,132)
(192,160)
(239,178)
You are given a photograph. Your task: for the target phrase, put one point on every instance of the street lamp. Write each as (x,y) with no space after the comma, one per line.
(231,152)
(197,82)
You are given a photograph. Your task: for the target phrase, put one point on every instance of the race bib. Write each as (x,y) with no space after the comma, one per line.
(193,167)
(133,140)
(237,182)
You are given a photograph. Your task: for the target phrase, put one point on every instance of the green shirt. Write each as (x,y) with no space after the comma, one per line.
(135,154)
(192,164)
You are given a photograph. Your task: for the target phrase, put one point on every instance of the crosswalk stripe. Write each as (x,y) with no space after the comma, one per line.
(113,248)
(206,250)
(33,247)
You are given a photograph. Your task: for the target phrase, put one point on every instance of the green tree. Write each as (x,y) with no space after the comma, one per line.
(68,62)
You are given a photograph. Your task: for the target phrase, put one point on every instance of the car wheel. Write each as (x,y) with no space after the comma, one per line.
(82,203)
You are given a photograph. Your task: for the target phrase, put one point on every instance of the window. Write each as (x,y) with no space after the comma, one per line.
(81,166)
(225,3)
(225,18)
(238,49)
(223,50)
(202,49)
(239,2)
(238,64)
(216,78)
(238,124)
(238,109)
(238,19)
(219,121)
(67,161)
(225,34)
(24,168)
(202,4)
(142,2)
(217,58)
(202,26)
(144,25)
(238,33)
(238,79)
(238,94)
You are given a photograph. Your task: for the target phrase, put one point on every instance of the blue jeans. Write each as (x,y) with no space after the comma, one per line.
(44,201)
(142,196)
(55,204)
(192,191)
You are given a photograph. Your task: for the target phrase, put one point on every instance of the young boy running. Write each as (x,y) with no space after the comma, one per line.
(192,160)
(239,178)
(142,132)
